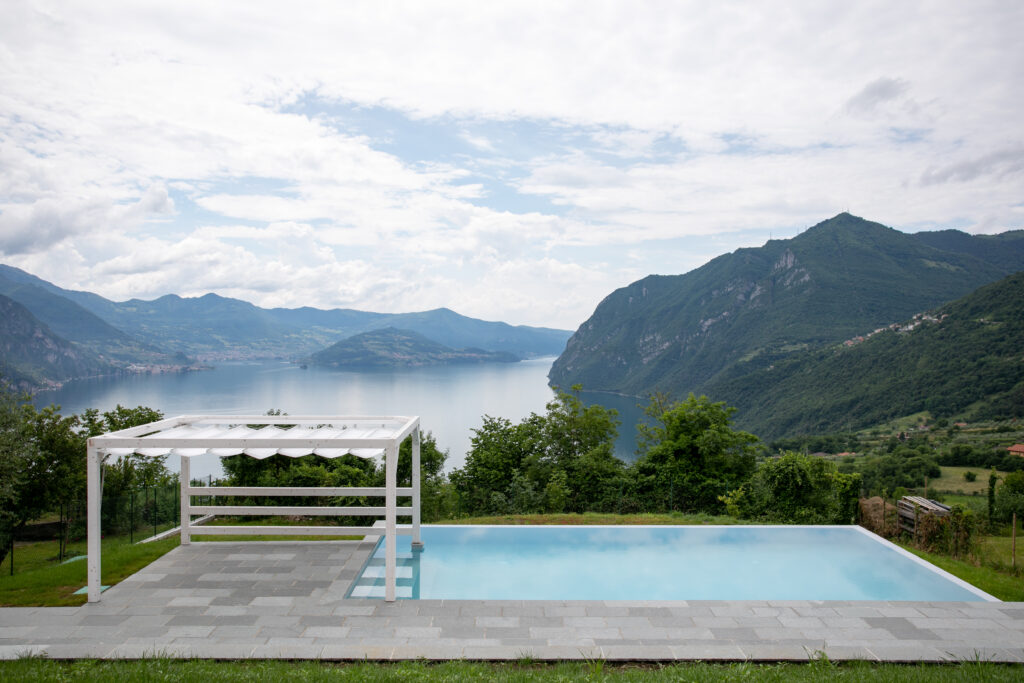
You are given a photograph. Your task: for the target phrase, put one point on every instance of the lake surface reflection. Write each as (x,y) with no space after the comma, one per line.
(450,400)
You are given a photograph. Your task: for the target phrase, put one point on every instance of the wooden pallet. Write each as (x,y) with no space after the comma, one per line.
(910,508)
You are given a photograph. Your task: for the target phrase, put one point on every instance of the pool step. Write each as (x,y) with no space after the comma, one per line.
(370,583)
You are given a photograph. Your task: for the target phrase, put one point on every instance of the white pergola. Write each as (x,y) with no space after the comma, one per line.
(262,436)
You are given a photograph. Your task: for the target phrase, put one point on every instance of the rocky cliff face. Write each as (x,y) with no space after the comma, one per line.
(839,278)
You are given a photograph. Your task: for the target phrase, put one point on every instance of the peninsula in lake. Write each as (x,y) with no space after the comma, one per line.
(393,347)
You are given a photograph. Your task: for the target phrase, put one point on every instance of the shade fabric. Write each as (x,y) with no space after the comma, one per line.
(194,440)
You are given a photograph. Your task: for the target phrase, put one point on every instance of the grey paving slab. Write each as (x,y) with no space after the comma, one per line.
(287,600)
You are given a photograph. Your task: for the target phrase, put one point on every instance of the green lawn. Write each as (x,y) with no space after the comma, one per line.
(524,670)
(997,551)
(248,521)
(952,480)
(1005,586)
(44,582)
(40,580)
(599,518)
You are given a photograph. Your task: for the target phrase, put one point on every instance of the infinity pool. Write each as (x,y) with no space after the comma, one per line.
(659,563)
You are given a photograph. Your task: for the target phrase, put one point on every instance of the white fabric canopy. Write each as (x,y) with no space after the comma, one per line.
(200,435)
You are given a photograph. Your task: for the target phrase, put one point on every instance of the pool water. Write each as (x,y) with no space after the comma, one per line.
(659,563)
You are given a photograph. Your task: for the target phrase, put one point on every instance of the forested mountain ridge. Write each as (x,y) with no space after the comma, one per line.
(964,359)
(836,280)
(391,347)
(212,327)
(32,354)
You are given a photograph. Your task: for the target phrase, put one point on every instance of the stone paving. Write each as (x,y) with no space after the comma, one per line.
(287,600)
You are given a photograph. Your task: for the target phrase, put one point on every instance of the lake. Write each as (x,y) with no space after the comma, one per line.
(450,399)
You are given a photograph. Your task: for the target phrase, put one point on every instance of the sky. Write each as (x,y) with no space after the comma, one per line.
(512,161)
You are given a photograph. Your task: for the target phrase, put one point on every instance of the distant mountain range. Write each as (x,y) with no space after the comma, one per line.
(175,332)
(391,347)
(708,330)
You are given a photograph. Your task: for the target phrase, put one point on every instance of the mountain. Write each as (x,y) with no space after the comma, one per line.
(213,327)
(966,358)
(216,327)
(75,323)
(392,347)
(31,355)
(1005,250)
(838,279)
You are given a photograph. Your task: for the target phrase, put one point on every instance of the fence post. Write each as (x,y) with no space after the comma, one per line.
(60,533)
(1013,542)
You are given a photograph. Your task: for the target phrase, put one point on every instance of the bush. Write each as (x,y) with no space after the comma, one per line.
(955,535)
(796,489)
(970,476)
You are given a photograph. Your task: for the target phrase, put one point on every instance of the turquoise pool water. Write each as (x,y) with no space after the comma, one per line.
(659,563)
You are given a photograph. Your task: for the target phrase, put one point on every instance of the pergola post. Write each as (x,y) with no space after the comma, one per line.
(94,501)
(186,500)
(416,542)
(390,515)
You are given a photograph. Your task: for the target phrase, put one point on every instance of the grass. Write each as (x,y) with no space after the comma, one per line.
(54,584)
(952,480)
(996,551)
(270,670)
(39,580)
(1002,585)
(598,518)
(248,521)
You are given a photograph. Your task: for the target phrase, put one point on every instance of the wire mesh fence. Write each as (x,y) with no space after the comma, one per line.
(136,514)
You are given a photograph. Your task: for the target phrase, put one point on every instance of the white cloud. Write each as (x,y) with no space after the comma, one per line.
(477,141)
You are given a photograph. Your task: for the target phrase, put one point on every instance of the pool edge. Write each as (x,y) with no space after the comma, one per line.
(925,563)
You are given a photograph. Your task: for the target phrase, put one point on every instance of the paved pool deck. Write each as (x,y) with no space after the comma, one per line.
(286,600)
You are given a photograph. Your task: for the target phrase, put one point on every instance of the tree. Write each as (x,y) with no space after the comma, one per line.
(433,492)
(17,450)
(797,489)
(992,479)
(527,467)
(498,449)
(692,455)
(61,441)
(1010,497)
(42,461)
(579,440)
(556,493)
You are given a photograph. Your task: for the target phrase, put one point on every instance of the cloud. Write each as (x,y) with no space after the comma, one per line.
(406,155)
(875,94)
(47,221)
(1000,164)
(477,141)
